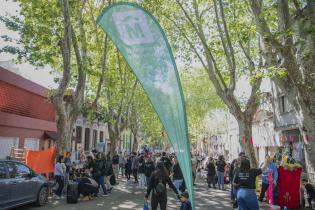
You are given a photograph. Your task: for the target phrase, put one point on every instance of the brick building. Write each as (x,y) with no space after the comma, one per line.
(27,119)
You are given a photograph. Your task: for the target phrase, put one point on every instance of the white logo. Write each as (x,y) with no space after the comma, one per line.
(133,27)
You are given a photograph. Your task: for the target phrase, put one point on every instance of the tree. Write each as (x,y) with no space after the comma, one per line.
(288,34)
(225,46)
(58,34)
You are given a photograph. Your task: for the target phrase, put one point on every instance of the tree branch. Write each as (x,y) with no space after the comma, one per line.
(102,77)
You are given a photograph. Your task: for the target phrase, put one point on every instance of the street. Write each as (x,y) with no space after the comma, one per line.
(127,196)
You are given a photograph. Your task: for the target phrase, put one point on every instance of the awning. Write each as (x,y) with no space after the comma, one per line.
(50,135)
(53,135)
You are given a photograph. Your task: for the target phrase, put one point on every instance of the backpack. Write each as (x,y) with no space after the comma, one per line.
(160,188)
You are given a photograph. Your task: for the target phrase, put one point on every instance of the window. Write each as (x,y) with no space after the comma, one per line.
(101,136)
(87,139)
(18,170)
(94,138)
(79,132)
(3,173)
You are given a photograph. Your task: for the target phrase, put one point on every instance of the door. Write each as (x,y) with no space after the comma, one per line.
(23,187)
(5,194)
(6,143)
(31,143)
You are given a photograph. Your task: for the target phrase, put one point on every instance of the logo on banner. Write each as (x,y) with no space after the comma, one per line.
(133,27)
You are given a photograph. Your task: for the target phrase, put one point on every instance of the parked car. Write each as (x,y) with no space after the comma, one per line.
(20,185)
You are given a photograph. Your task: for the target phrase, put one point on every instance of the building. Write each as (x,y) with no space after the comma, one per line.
(27,119)
(91,135)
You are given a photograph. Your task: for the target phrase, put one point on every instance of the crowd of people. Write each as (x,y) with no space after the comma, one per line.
(154,171)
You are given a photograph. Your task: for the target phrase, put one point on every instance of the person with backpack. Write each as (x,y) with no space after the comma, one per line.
(220,171)
(159,179)
(166,161)
(141,170)
(148,169)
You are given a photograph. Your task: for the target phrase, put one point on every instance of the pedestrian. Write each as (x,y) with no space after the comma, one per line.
(67,162)
(233,169)
(59,177)
(128,170)
(185,203)
(220,171)
(177,175)
(101,163)
(122,162)
(166,161)
(194,165)
(245,180)
(148,169)
(94,170)
(141,170)
(310,192)
(115,161)
(108,172)
(159,179)
(211,173)
(271,168)
(135,166)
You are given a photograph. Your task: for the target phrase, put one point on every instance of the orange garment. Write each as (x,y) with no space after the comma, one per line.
(41,161)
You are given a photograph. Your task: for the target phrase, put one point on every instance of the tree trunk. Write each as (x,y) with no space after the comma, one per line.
(309,138)
(245,135)
(135,142)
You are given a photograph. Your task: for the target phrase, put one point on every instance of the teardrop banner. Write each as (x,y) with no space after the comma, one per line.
(141,40)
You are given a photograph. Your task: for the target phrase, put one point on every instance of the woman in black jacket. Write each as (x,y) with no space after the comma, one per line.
(220,171)
(211,173)
(158,181)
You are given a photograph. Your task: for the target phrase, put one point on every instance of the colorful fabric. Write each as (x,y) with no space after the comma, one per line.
(289,188)
(41,161)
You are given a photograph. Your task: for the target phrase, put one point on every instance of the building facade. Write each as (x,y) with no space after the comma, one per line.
(27,119)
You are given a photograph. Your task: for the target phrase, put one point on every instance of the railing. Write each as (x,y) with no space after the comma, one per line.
(18,154)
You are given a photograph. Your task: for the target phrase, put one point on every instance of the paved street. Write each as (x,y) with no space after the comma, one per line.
(127,196)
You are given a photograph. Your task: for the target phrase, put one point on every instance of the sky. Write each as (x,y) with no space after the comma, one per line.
(44,77)
(41,76)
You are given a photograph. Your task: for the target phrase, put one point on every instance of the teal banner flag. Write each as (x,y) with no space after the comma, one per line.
(141,40)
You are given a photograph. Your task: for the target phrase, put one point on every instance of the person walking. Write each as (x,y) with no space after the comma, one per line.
(115,162)
(135,166)
(159,179)
(128,170)
(220,171)
(177,175)
(245,180)
(149,167)
(211,173)
(271,168)
(59,177)
(122,162)
(141,170)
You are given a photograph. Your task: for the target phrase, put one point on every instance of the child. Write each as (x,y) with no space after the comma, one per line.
(310,192)
(186,205)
